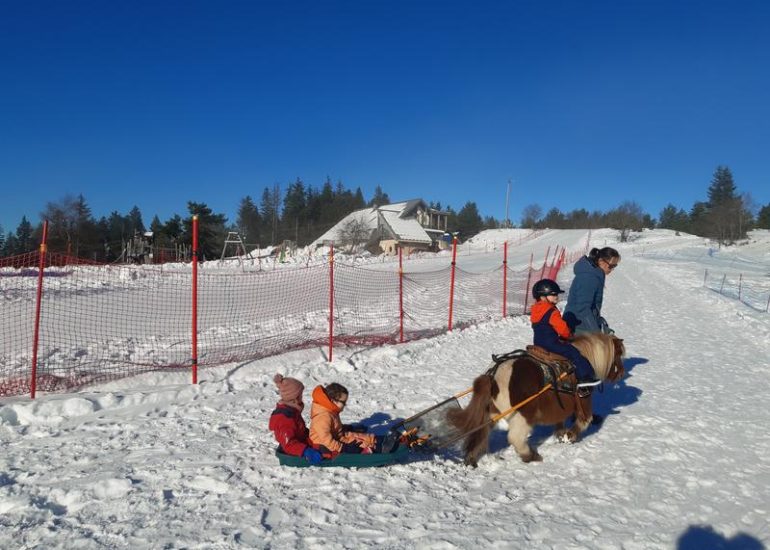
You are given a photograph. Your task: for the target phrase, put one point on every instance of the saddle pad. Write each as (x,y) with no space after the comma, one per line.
(546,356)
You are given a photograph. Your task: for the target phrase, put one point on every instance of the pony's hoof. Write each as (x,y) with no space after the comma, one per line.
(560,435)
(472,462)
(532,457)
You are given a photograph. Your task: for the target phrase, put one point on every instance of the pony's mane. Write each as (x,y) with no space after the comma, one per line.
(599,349)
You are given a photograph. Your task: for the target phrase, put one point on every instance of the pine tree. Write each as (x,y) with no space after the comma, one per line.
(2,241)
(722,188)
(726,211)
(211,230)
(469,221)
(294,206)
(249,221)
(136,225)
(380,198)
(24,241)
(358,200)
(763,218)
(672,218)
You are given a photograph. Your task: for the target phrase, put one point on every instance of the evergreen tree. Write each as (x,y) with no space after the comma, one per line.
(490,223)
(269,208)
(294,206)
(136,225)
(86,234)
(358,200)
(249,221)
(725,209)
(469,221)
(699,219)
(380,198)
(763,218)
(554,219)
(173,230)
(2,241)
(211,230)
(10,247)
(24,240)
(673,218)
(722,188)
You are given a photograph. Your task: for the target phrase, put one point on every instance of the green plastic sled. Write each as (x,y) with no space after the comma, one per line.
(346,460)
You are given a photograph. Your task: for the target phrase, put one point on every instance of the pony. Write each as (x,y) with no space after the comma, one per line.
(521,382)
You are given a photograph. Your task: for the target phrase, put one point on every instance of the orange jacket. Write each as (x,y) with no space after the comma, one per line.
(326,427)
(539,309)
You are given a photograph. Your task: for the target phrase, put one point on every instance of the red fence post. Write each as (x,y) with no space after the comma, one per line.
(505,278)
(723,283)
(35,340)
(545,262)
(401,295)
(705,276)
(740,284)
(331,300)
(452,283)
(195,299)
(529,281)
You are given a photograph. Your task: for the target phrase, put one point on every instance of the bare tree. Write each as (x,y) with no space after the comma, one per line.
(531,215)
(354,234)
(627,217)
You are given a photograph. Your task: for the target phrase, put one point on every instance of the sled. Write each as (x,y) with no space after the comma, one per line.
(345,460)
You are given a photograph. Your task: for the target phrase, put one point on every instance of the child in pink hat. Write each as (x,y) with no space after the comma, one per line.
(286,421)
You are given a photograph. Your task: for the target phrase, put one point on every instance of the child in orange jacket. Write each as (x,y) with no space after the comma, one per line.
(327,433)
(552,332)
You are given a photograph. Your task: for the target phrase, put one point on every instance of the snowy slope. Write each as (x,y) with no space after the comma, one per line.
(682,459)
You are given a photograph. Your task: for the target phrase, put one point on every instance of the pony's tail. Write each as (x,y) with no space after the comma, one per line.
(474,420)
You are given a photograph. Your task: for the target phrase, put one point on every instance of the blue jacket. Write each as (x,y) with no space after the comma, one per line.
(584,301)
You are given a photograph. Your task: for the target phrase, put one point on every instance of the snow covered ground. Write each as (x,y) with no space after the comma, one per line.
(682,459)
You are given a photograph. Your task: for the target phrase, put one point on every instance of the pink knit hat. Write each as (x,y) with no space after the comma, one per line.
(290,388)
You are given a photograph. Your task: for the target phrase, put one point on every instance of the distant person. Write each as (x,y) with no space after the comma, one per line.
(583,312)
(553,334)
(287,424)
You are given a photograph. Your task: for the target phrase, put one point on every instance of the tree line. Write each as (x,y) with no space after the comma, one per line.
(302,213)
(725,217)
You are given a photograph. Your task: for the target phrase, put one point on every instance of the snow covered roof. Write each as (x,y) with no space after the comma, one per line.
(396,216)
(406,229)
(367,216)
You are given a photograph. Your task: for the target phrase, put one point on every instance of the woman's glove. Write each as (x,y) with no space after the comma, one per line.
(311,455)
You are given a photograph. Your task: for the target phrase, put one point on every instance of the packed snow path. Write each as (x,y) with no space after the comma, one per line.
(683,457)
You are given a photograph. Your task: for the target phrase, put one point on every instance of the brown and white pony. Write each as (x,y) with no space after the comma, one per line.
(516,380)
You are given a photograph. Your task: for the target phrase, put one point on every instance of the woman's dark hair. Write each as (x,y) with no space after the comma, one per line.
(605,254)
(335,391)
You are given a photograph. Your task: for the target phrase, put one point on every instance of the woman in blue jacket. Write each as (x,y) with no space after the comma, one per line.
(584,303)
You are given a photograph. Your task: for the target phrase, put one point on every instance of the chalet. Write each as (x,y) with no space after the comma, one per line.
(409,225)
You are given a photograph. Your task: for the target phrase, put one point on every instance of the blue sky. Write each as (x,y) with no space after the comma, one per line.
(580,104)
